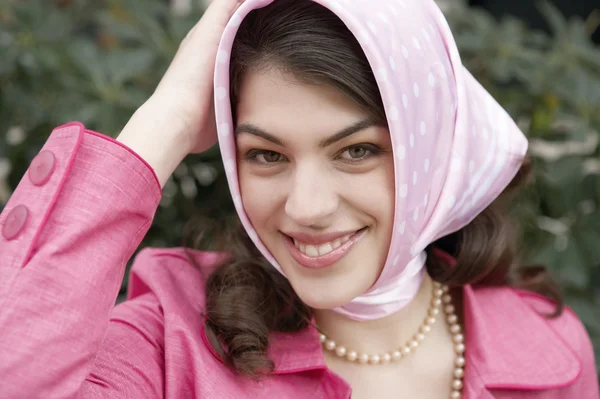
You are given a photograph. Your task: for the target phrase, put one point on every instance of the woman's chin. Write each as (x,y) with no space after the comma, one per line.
(330,299)
(328,288)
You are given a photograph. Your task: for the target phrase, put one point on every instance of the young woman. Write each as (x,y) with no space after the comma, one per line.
(370,262)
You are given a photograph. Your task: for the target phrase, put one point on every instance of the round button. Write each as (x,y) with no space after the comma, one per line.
(41,168)
(15,221)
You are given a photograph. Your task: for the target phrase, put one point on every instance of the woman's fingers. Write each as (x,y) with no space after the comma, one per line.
(193,64)
(179,117)
(218,13)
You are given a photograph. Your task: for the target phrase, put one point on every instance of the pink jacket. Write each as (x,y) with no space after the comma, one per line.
(75,220)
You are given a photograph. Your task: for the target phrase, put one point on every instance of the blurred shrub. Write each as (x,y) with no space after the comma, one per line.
(97,61)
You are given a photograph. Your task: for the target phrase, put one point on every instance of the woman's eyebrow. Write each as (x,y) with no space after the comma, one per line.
(350,130)
(256,131)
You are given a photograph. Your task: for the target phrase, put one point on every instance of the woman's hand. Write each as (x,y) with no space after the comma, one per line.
(178,118)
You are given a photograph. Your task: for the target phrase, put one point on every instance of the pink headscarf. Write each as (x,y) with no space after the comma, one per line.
(455,148)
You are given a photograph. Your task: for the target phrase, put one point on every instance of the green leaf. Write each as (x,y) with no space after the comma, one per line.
(545,254)
(557,22)
(54,27)
(122,65)
(121,30)
(587,236)
(564,172)
(588,313)
(87,58)
(571,264)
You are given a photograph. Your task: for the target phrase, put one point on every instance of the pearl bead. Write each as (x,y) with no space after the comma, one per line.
(374,359)
(441,297)
(457,384)
(459,372)
(351,356)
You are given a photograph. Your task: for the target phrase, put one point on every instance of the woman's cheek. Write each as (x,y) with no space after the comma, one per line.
(260,196)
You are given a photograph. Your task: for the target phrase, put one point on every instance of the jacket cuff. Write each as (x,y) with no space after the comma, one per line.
(80,176)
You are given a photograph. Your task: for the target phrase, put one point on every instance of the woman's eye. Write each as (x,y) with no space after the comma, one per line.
(265,157)
(359,152)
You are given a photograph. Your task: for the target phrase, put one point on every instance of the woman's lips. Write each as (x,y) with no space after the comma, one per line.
(323,261)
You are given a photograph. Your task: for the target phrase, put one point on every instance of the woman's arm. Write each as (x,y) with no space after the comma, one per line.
(67,231)
(74,221)
(130,362)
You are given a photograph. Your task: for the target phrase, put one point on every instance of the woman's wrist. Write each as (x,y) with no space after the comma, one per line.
(149,134)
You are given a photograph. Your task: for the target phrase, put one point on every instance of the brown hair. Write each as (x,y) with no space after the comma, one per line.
(246,298)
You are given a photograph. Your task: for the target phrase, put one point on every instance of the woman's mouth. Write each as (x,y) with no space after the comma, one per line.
(317,256)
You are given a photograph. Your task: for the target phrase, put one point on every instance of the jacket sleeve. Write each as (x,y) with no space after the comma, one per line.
(66,234)
(130,362)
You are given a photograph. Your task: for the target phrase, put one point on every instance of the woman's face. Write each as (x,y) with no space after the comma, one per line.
(317,183)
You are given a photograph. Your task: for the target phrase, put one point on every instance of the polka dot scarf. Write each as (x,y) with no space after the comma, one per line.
(455,148)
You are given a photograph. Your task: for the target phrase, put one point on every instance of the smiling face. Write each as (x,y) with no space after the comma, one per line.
(317,183)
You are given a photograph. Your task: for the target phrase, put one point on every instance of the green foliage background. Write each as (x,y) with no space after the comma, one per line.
(97,61)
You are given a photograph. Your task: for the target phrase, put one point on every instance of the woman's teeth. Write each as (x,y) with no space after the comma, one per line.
(319,250)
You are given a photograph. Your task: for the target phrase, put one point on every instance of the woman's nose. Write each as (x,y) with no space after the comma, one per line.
(312,199)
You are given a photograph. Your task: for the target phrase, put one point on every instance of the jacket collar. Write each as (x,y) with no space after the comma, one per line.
(509,345)
(296,352)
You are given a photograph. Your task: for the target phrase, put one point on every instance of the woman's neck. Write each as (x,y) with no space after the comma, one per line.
(381,335)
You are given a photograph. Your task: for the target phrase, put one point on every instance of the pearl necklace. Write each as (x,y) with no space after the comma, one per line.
(441,296)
